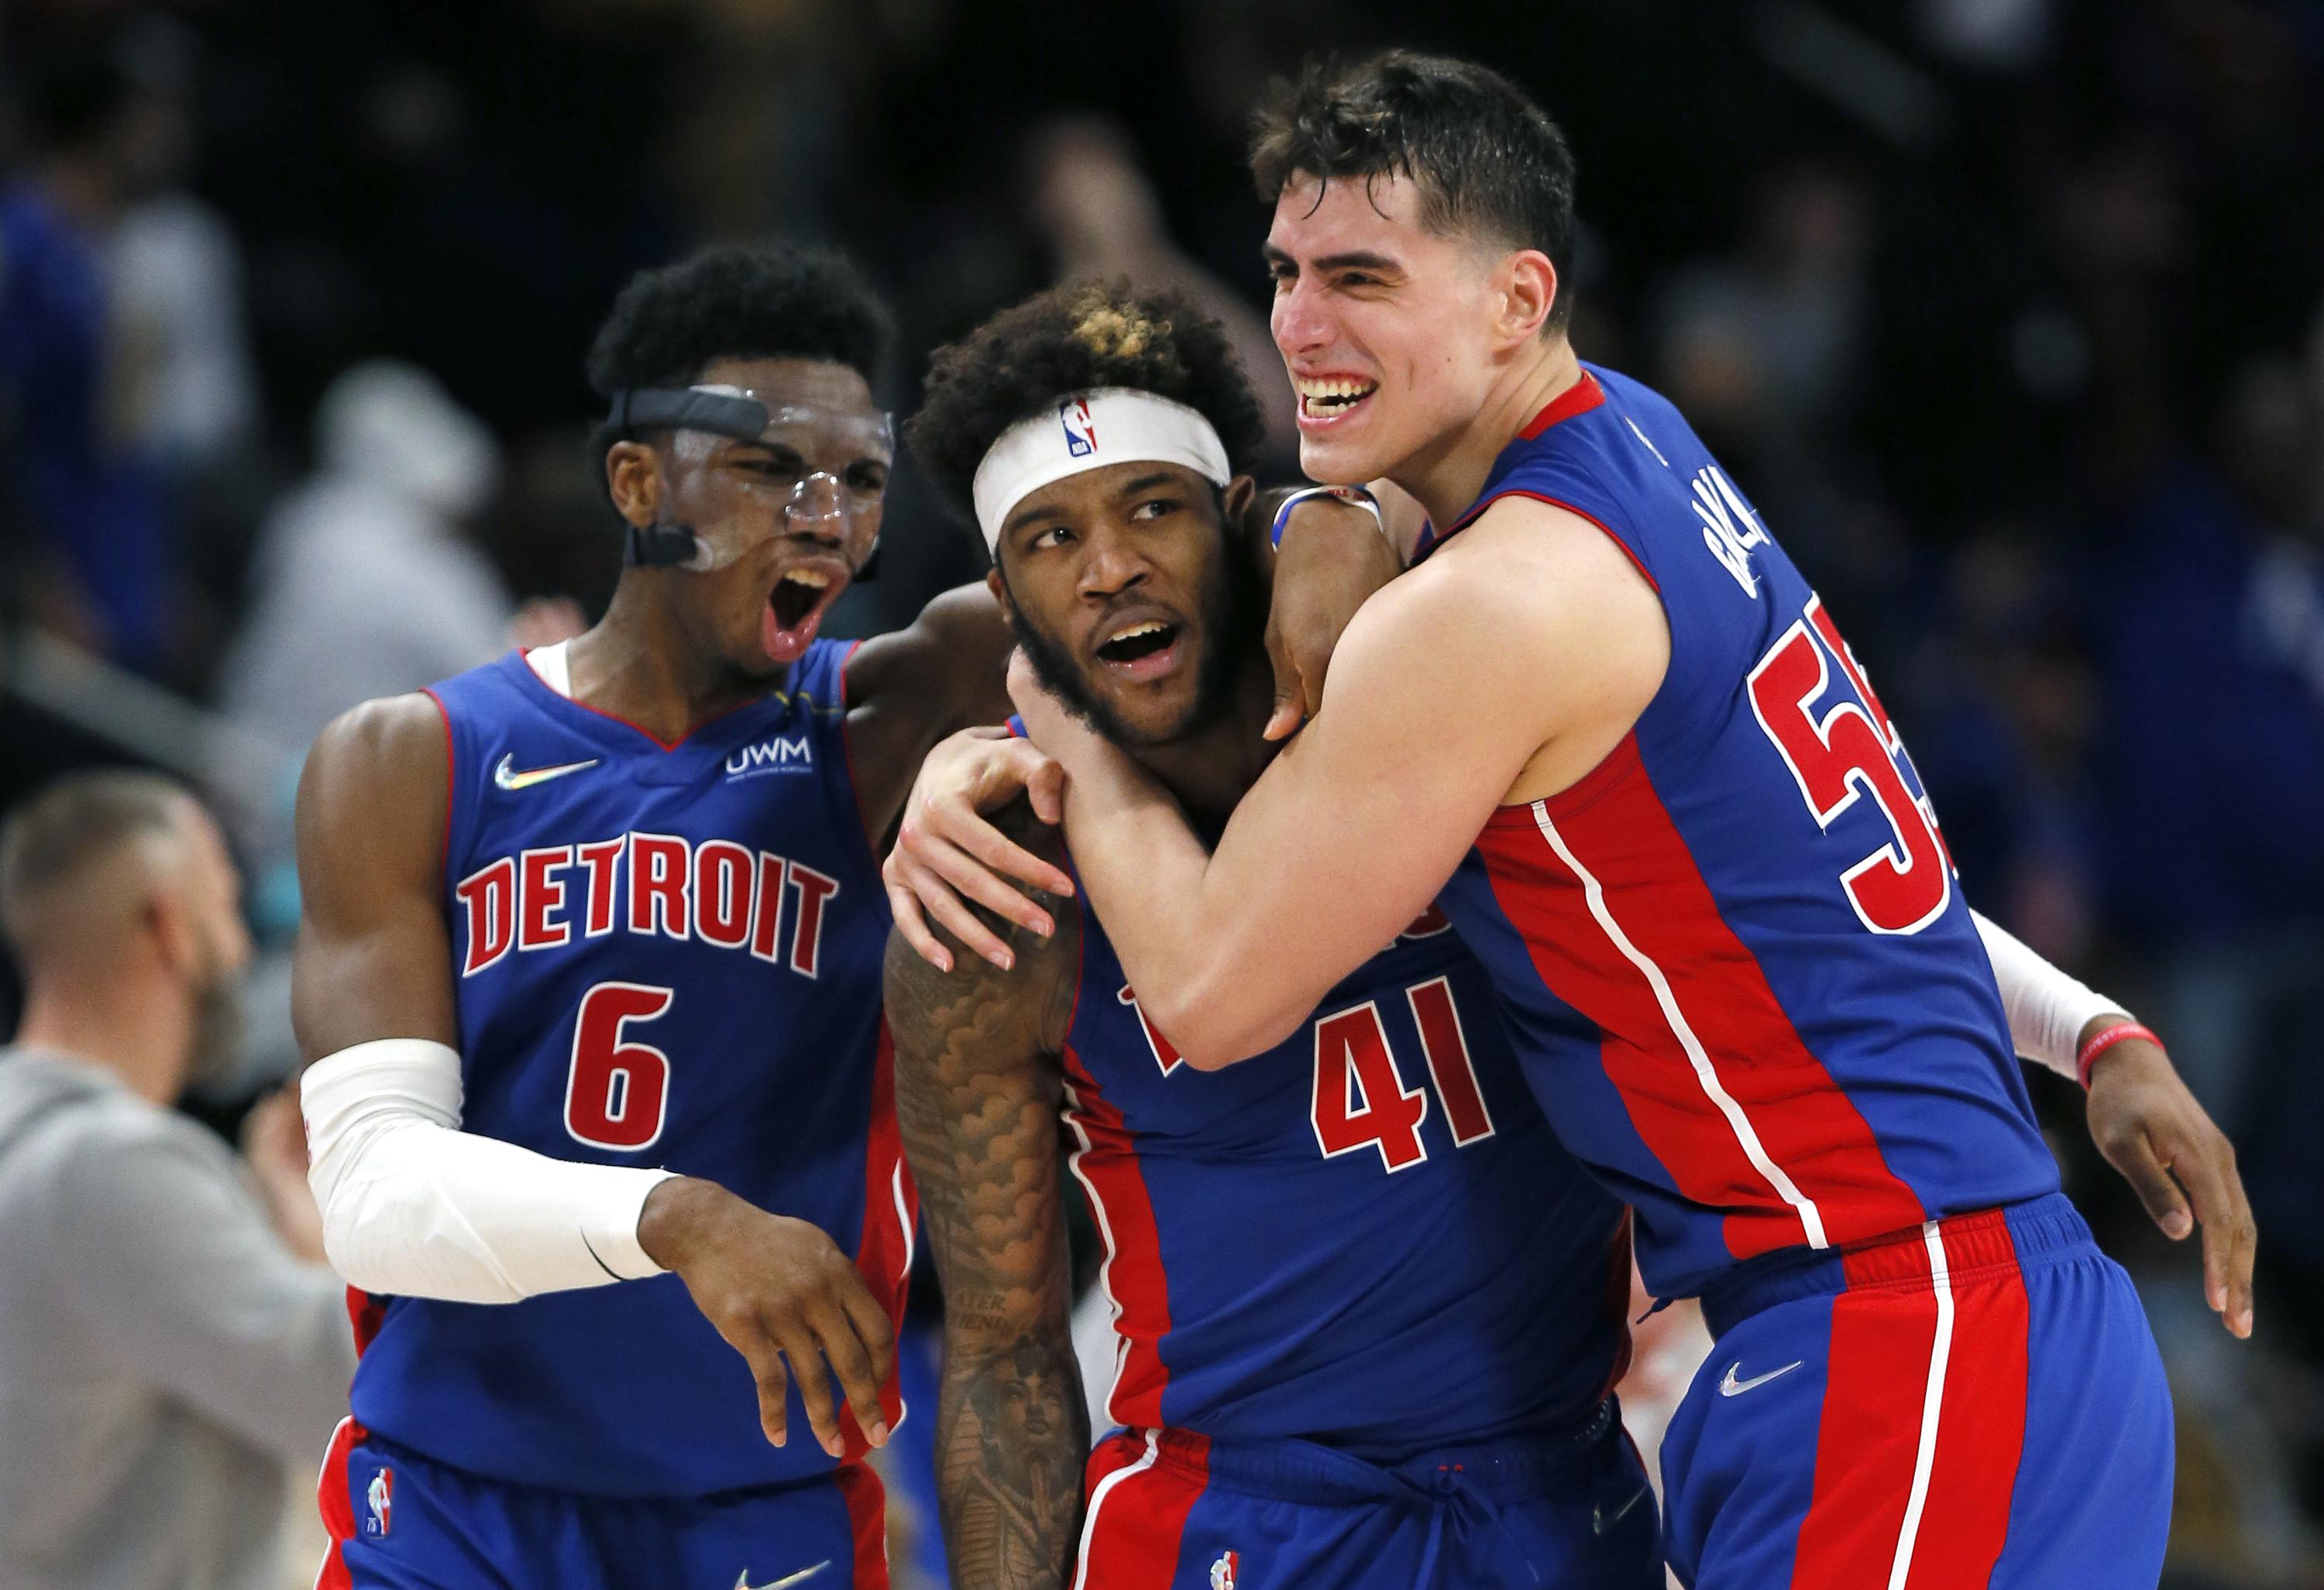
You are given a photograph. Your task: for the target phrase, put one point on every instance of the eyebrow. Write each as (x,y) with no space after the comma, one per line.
(1351,260)
(1147,482)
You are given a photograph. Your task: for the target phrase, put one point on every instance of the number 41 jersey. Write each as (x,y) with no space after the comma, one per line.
(1734,956)
(663,954)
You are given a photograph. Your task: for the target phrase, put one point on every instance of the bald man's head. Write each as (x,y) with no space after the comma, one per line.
(80,856)
(116,873)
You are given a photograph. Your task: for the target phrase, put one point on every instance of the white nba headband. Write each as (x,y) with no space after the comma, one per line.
(1089,431)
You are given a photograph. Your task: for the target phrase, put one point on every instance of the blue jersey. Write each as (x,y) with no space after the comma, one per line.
(663,954)
(1735,955)
(1367,1237)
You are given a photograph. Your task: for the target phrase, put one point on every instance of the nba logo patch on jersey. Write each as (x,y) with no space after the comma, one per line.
(1081,431)
(1223,1572)
(380,1496)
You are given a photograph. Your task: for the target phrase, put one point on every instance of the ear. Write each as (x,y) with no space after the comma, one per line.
(169,915)
(1529,289)
(1236,498)
(1000,589)
(634,480)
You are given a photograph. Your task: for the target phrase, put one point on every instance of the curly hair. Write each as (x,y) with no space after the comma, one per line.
(734,302)
(1487,159)
(1073,338)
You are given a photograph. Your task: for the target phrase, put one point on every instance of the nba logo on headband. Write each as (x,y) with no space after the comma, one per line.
(1081,431)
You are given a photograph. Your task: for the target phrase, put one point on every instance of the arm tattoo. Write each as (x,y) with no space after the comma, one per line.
(978,1085)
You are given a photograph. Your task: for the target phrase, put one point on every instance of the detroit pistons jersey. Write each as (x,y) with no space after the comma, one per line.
(1735,955)
(664,955)
(1367,1237)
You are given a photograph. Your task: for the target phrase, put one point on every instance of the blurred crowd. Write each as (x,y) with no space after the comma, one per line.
(2008,313)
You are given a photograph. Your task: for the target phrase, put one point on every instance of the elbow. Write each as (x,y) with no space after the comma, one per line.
(1214,1027)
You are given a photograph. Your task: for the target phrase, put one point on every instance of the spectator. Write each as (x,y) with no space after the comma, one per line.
(170,1338)
(97,504)
(366,581)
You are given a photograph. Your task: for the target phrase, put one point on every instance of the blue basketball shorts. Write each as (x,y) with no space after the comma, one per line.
(402,1521)
(1977,1402)
(1170,1509)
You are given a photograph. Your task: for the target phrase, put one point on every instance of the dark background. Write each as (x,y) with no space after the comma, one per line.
(2006,312)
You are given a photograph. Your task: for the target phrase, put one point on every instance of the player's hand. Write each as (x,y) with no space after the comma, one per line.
(945,849)
(274,1146)
(1049,723)
(2151,1128)
(779,1290)
(1333,557)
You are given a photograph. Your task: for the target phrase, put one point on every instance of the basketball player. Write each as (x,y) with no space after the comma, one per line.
(1607,725)
(612,906)
(1369,1314)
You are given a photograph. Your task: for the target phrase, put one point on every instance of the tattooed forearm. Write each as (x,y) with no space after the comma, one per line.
(978,1085)
(1012,1434)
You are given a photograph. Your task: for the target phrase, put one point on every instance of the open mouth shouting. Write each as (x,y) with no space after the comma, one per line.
(1141,648)
(1326,399)
(803,594)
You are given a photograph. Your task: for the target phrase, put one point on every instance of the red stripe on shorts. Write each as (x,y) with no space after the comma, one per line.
(1886,1328)
(336,1506)
(1138,1508)
(867,1519)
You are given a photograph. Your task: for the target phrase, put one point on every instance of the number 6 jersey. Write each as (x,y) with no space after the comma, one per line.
(662,955)
(1734,957)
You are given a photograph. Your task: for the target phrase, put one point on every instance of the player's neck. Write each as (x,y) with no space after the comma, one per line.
(141,1037)
(1209,771)
(1446,476)
(642,665)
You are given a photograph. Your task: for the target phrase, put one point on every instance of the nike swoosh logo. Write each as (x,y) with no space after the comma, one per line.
(1601,1521)
(508,778)
(1731,1387)
(743,1579)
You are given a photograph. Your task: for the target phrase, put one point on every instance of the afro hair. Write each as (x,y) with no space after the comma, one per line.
(733,302)
(1075,338)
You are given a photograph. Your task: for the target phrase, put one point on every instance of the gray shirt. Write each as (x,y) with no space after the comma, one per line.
(162,1355)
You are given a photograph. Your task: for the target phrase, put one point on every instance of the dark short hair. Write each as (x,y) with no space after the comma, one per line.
(52,839)
(733,302)
(1486,159)
(1074,337)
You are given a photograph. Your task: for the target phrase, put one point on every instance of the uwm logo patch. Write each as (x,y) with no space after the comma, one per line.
(784,754)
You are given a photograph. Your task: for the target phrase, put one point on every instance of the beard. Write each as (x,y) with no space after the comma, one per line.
(1227,616)
(218,1028)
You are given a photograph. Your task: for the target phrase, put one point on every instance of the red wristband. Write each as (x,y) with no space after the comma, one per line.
(2107,1040)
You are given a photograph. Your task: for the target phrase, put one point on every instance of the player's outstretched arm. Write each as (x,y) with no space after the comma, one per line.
(978,1085)
(1505,667)
(2141,1115)
(413,1205)
(908,688)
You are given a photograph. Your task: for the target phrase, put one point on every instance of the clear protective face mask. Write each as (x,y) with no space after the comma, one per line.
(803,470)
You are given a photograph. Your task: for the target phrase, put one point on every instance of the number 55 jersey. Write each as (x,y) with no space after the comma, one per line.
(663,954)
(1737,964)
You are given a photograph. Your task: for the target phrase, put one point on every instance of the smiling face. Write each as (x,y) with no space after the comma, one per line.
(787,519)
(1124,596)
(1390,330)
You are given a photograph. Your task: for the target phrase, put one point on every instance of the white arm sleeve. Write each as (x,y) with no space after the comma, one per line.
(415,1206)
(2048,1009)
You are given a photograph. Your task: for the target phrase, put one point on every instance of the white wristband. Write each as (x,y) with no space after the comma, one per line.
(2047,1008)
(414,1206)
(1355,494)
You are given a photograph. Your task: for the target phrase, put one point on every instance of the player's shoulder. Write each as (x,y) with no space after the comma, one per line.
(377,780)
(960,633)
(388,736)
(1522,558)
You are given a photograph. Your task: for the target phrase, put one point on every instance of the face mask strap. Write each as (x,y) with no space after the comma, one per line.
(743,419)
